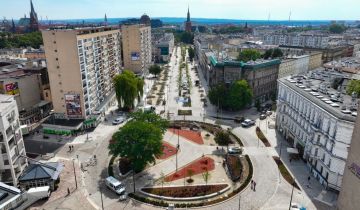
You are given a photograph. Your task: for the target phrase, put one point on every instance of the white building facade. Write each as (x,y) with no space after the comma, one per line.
(11,142)
(297,40)
(321,133)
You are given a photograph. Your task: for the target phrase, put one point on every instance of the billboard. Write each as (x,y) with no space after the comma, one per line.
(10,88)
(135,56)
(73,105)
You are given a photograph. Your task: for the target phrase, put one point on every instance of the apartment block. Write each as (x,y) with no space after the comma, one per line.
(350,190)
(297,40)
(136,43)
(294,65)
(12,148)
(81,65)
(319,121)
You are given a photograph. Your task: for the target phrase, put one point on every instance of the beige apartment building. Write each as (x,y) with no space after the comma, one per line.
(350,189)
(81,65)
(136,43)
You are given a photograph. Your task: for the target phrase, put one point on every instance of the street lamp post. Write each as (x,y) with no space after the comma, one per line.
(101,197)
(292,192)
(76,186)
(239,201)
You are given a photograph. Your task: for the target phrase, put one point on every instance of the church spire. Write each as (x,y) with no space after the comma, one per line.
(105,20)
(34,22)
(188,14)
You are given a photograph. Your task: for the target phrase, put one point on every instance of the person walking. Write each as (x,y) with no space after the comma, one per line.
(68,190)
(254,186)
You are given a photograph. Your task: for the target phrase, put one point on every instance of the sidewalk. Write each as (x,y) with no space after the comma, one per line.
(298,169)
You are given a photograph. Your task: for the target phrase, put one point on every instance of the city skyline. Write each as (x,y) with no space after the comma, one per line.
(255,10)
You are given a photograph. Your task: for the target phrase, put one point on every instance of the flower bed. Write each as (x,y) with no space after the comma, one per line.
(197,167)
(262,137)
(189,135)
(201,204)
(168,151)
(234,166)
(185,191)
(124,165)
(284,172)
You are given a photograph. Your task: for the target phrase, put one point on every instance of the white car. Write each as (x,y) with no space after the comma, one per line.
(247,123)
(118,121)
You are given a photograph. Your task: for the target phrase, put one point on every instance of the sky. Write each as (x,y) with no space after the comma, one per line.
(227,9)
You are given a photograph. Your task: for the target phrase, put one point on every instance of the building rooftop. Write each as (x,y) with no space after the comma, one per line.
(316,86)
(35,171)
(348,65)
(7,193)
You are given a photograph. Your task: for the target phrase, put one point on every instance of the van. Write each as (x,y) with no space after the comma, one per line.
(40,192)
(115,185)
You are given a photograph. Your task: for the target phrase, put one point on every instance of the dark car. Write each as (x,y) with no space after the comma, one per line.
(239,119)
(263,116)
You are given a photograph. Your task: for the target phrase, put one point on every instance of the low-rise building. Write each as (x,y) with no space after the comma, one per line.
(136,46)
(12,149)
(27,84)
(294,65)
(163,48)
(261,75)
(318,120)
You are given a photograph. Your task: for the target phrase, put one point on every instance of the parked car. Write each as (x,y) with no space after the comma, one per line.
(115,185)
(247,123)
(239,119)
(263,116)
(268,113)
(118,121)
(235,150)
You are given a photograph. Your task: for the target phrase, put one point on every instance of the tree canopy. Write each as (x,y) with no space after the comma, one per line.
(128,88)
(139,142)
(353,86)
(152,118)
(222,138)
(235,97)
(249,54)
(10,40)
(191,52)
(184,37)
(273,53)
(155,69)
(337,28)
(229,30)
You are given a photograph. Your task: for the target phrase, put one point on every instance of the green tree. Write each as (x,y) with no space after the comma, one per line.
(152,118)
(249,54)
(222,138)
(353,86)
(187,37)
(10,40)
(273,53)
(206,176)
(155,70)
(240,95)
(191,52)
(127,88)
(337,28)
(138,141)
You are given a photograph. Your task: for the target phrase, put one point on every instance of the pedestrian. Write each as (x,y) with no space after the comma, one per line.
(309,179)
(72,147)
(68,190)
(252,184)
(69,148)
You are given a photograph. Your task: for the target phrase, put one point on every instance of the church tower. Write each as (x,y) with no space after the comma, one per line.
(188,22)
(34,23)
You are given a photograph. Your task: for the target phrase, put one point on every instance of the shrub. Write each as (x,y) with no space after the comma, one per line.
(124,165)
(262,137)
(222,138)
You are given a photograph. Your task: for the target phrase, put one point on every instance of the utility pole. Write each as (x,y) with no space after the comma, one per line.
(76,186)
(101,197)
(177,150)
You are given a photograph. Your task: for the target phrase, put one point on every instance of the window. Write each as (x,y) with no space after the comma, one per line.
(55,50)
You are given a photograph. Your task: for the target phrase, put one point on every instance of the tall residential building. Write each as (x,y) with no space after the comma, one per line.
(350,190)
(81,65)
(188,22)
(136,43)
(11,142)
(319,121)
